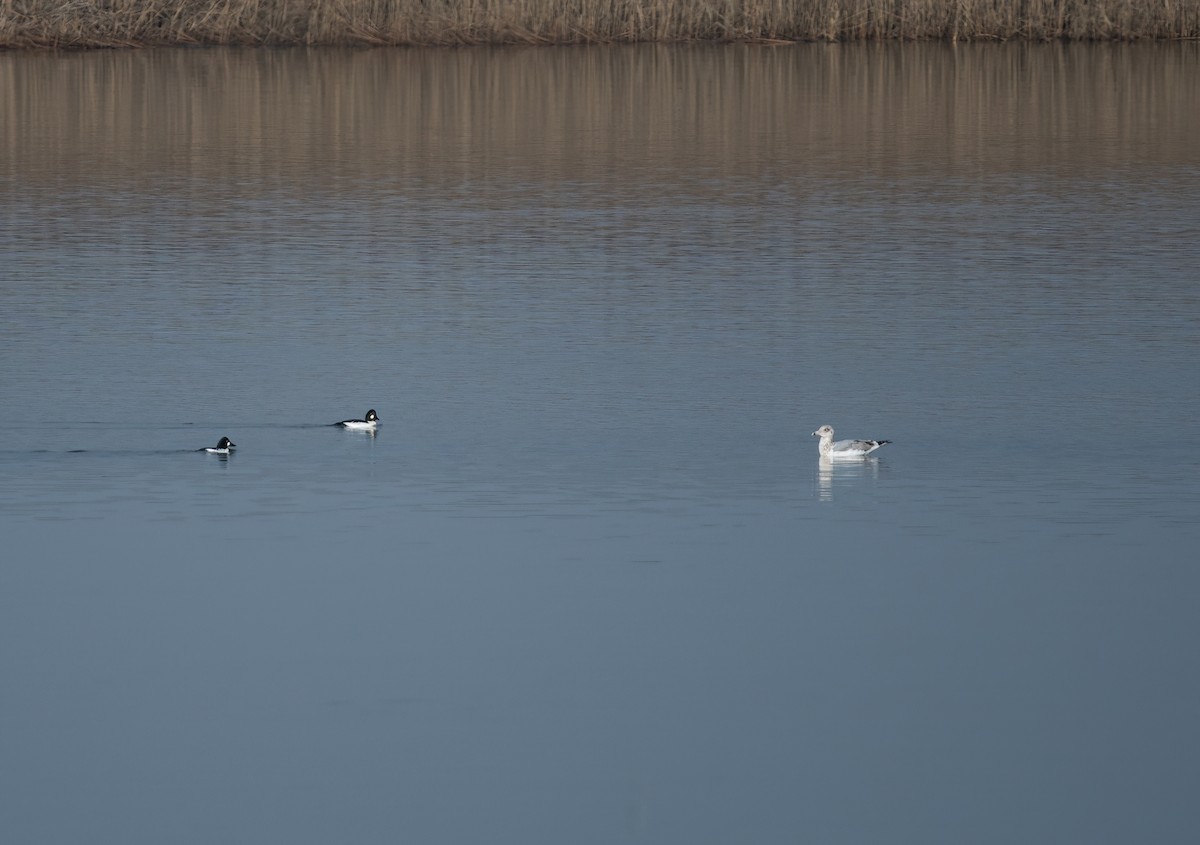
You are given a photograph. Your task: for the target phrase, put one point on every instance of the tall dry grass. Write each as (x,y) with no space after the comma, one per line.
(95,23)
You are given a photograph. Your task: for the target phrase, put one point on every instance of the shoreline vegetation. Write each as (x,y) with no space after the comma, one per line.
(83,24)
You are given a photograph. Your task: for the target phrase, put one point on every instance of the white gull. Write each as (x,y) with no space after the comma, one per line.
(829,448)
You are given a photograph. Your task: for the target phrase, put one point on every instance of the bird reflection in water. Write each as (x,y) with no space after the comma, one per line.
(842,472)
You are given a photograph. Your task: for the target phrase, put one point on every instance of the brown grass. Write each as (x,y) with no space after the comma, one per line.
(109,23)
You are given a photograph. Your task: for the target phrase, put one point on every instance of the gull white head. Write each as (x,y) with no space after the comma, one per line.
(824,432)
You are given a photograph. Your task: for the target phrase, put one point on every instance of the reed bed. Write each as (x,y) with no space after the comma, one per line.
(111,23)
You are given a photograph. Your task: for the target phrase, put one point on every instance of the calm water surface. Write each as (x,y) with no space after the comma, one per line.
(589,582)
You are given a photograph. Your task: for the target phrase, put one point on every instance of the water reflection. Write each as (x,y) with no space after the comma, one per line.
(739,121)
(843,472)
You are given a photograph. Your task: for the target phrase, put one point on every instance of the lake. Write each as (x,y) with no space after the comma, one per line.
(589,582)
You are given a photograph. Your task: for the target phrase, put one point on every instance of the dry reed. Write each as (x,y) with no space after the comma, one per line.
(108,23)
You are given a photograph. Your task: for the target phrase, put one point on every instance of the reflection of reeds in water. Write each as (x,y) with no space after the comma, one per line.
(223,122)
(60,23)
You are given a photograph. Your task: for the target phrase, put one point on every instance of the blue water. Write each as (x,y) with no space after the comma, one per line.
(589,581)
